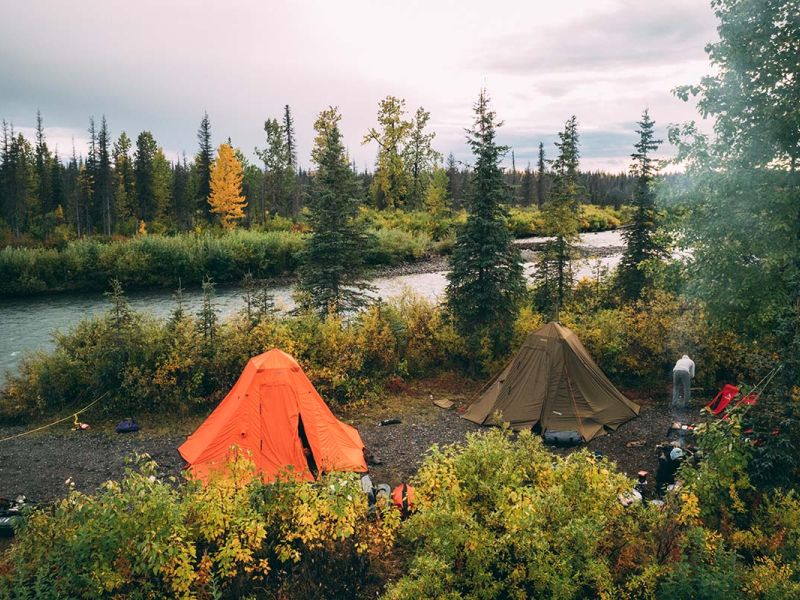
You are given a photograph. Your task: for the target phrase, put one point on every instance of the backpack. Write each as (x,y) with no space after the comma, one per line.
(128,425)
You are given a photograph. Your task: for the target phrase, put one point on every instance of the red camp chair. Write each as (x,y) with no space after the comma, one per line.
(723,398)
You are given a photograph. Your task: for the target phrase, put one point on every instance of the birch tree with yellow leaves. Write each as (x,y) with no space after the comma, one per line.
(226,198)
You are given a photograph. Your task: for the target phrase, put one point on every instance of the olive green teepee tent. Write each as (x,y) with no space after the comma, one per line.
(553,382)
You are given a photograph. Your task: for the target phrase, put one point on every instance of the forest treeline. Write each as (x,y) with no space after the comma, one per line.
(126,185)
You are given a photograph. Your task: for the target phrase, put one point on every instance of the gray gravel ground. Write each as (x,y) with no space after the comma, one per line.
(38,465)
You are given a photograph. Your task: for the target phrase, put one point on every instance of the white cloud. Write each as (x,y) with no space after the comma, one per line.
(157,65)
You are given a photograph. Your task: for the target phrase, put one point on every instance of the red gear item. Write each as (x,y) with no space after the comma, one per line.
(403,498)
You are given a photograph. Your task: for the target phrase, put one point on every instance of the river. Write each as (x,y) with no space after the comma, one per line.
(28,324)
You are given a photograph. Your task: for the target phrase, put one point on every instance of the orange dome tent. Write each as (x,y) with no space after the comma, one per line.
(273,412)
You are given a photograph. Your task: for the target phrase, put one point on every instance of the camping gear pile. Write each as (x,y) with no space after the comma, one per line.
(11,514)
(553,385)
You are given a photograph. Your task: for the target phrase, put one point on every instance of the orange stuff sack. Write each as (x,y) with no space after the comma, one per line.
(403,498)
(271,413)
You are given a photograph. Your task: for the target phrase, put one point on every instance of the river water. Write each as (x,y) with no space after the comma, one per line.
(27,325)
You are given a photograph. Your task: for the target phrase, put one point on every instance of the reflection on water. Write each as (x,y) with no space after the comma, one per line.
(28,324)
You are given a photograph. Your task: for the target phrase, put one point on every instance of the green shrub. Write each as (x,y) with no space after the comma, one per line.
(501,518)
(149,261)
(145,538)
(394,246)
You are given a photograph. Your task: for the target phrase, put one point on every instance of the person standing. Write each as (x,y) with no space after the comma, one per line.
(682,375)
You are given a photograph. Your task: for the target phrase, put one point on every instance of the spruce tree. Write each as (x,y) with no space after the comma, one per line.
(331,274)
(181,200)
(453,181)
(203,160)
(541,171)
(526,187)
(72,178)
(105,178)
(554,278)
(144,157)
(291,154)
(123,177)
(288,130)
(513,179)
(485,283)
(57,190)
(4,156)
(279,172)
(207,319)
(162,185)
(19,176)
(642,243)
(43,178)
(90,180)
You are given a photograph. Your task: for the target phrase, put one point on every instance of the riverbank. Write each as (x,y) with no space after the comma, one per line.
(28,324)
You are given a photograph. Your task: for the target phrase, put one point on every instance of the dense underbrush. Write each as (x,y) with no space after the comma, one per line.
(187,362)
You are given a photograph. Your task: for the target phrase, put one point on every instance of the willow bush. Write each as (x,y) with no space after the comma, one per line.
(143,537)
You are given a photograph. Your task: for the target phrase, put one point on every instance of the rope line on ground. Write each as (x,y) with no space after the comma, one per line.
(70,416)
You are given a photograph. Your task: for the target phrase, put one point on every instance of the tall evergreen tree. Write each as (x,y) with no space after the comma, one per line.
(162,185)
(526,187)
(90,179)
(454,188)
(291,152)
(43,178)
(554,277)
(485,283)
(72,177)
(541,173)
(19,181)
(84,197)
(4,156)
(642,244)
(202,162)
(124,193)
(279,172)
(105,178)
(57,189)
(288,130)
(181,197)
(146,208)
(513,179)
(331,274)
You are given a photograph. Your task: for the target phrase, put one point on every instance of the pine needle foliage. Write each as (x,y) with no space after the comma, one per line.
(332,270)
(554,278)
(642,243)
(486,279)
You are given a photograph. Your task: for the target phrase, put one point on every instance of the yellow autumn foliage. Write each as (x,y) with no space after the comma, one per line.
(226,198)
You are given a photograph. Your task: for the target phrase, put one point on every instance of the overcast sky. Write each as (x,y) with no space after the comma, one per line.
(158,64)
